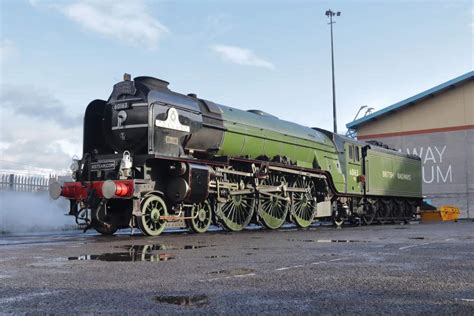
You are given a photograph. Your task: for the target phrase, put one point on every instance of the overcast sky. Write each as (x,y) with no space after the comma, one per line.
(57,56)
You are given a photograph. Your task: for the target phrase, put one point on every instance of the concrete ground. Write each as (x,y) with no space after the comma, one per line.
(391,269)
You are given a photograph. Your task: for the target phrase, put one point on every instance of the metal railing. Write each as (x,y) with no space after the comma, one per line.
(24,183)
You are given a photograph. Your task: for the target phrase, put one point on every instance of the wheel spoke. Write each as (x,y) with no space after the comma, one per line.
(197,222)
(153,207)
(236,213)
(272,211)
(303,203)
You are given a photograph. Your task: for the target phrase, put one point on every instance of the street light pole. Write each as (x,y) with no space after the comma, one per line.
(330,14)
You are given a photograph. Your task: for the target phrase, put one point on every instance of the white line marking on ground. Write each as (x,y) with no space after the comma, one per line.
(244,275)
(23,297)
(338,259)
(276,269)
(281,269)
(412,246)
(466,299)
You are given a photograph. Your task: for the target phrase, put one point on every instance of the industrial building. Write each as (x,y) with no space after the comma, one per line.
(438,126)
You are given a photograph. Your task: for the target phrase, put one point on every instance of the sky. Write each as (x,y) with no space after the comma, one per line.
(57,56)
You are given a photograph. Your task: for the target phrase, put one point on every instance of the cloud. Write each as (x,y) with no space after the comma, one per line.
(36,129)
(126,21)
(40,144)
(472,20)
(7,50)
(241,56)
(30,102)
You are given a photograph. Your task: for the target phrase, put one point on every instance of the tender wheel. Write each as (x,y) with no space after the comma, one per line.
(303,207)
(201,217)
(153,207)
(383,211)
(235,214)
(408,211)
(273,209)
(397,209)
(369,217)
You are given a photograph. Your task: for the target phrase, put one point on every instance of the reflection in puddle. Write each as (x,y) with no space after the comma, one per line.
(236,271)
(183,300)
(135,254)
(140,253)
(155,247)
(328,240)
(125,257)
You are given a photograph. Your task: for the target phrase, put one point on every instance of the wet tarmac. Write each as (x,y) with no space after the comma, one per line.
(389,269)
(183,300)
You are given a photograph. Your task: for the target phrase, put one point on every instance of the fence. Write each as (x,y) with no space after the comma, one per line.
(24,183)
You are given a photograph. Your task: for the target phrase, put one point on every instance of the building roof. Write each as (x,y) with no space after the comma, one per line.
(412,100)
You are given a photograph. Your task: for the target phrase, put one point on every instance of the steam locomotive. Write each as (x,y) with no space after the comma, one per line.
(154,158)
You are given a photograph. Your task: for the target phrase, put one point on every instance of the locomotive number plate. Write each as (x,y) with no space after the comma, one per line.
(122,106)
(103,165)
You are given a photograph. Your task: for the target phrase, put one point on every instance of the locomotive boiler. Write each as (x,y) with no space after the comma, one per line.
(154,158)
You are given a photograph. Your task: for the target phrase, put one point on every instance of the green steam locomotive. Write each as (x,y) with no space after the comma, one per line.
(154,158)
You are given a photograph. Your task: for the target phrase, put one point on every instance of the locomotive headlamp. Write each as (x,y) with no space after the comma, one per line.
(108,189)
(111,189)
(55,190)
(75,165)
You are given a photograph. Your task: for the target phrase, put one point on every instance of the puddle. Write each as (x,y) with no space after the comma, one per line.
(139,253)
(236,271)
(125,257)
(328,240)
(135,253)
(215,257)
(155,247)
(183,300)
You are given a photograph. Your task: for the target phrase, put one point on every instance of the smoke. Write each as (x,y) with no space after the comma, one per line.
(32,212)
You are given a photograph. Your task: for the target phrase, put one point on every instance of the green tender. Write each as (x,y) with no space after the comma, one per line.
(392,175)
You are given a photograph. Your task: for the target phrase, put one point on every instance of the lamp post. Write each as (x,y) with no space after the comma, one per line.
(330,14)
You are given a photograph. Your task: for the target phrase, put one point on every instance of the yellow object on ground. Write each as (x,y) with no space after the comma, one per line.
(444,213)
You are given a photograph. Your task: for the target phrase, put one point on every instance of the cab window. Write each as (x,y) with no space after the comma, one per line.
(357,156)
(351,152)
